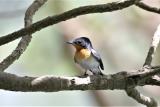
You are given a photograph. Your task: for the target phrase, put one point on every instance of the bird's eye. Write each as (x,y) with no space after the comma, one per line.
(78,42)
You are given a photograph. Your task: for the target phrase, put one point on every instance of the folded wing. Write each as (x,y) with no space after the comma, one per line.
(98,58)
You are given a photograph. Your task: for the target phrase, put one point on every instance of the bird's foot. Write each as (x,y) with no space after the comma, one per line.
(101,74)
(83,76)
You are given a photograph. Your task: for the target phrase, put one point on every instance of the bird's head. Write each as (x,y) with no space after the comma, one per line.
(81,43)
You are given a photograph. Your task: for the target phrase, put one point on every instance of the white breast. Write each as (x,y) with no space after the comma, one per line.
(89,63)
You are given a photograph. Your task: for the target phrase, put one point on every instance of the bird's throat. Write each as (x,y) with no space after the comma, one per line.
(83,53)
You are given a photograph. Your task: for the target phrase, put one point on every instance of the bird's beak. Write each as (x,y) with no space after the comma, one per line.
(69,42)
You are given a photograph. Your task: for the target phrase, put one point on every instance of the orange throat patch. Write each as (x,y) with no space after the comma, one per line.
(82,54)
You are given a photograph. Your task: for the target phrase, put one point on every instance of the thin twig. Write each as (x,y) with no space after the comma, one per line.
(147,8)
(153,47)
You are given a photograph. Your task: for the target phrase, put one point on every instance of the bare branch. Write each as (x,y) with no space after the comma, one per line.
(145,73)
(154,44)
(121,80)
(132,92)
(25,39)
(147,8)
(65,16)
(149,102)
(155,80)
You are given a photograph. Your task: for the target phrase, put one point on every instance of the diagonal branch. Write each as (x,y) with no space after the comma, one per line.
(149,102)
(133,92)
(24,42)
(147,8)
(109,7)
(153,47)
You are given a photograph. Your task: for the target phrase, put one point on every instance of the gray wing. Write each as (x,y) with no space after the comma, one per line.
(98,58)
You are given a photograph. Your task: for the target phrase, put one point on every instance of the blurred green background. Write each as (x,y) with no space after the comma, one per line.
(122,38)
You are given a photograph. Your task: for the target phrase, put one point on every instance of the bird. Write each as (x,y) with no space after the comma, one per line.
(86,56)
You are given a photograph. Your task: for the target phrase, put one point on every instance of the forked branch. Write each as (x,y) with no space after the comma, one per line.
(124,80)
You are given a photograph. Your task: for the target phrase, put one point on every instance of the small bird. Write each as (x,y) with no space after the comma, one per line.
(86,56)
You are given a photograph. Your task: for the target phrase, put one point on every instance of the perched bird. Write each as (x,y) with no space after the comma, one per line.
(86,56)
